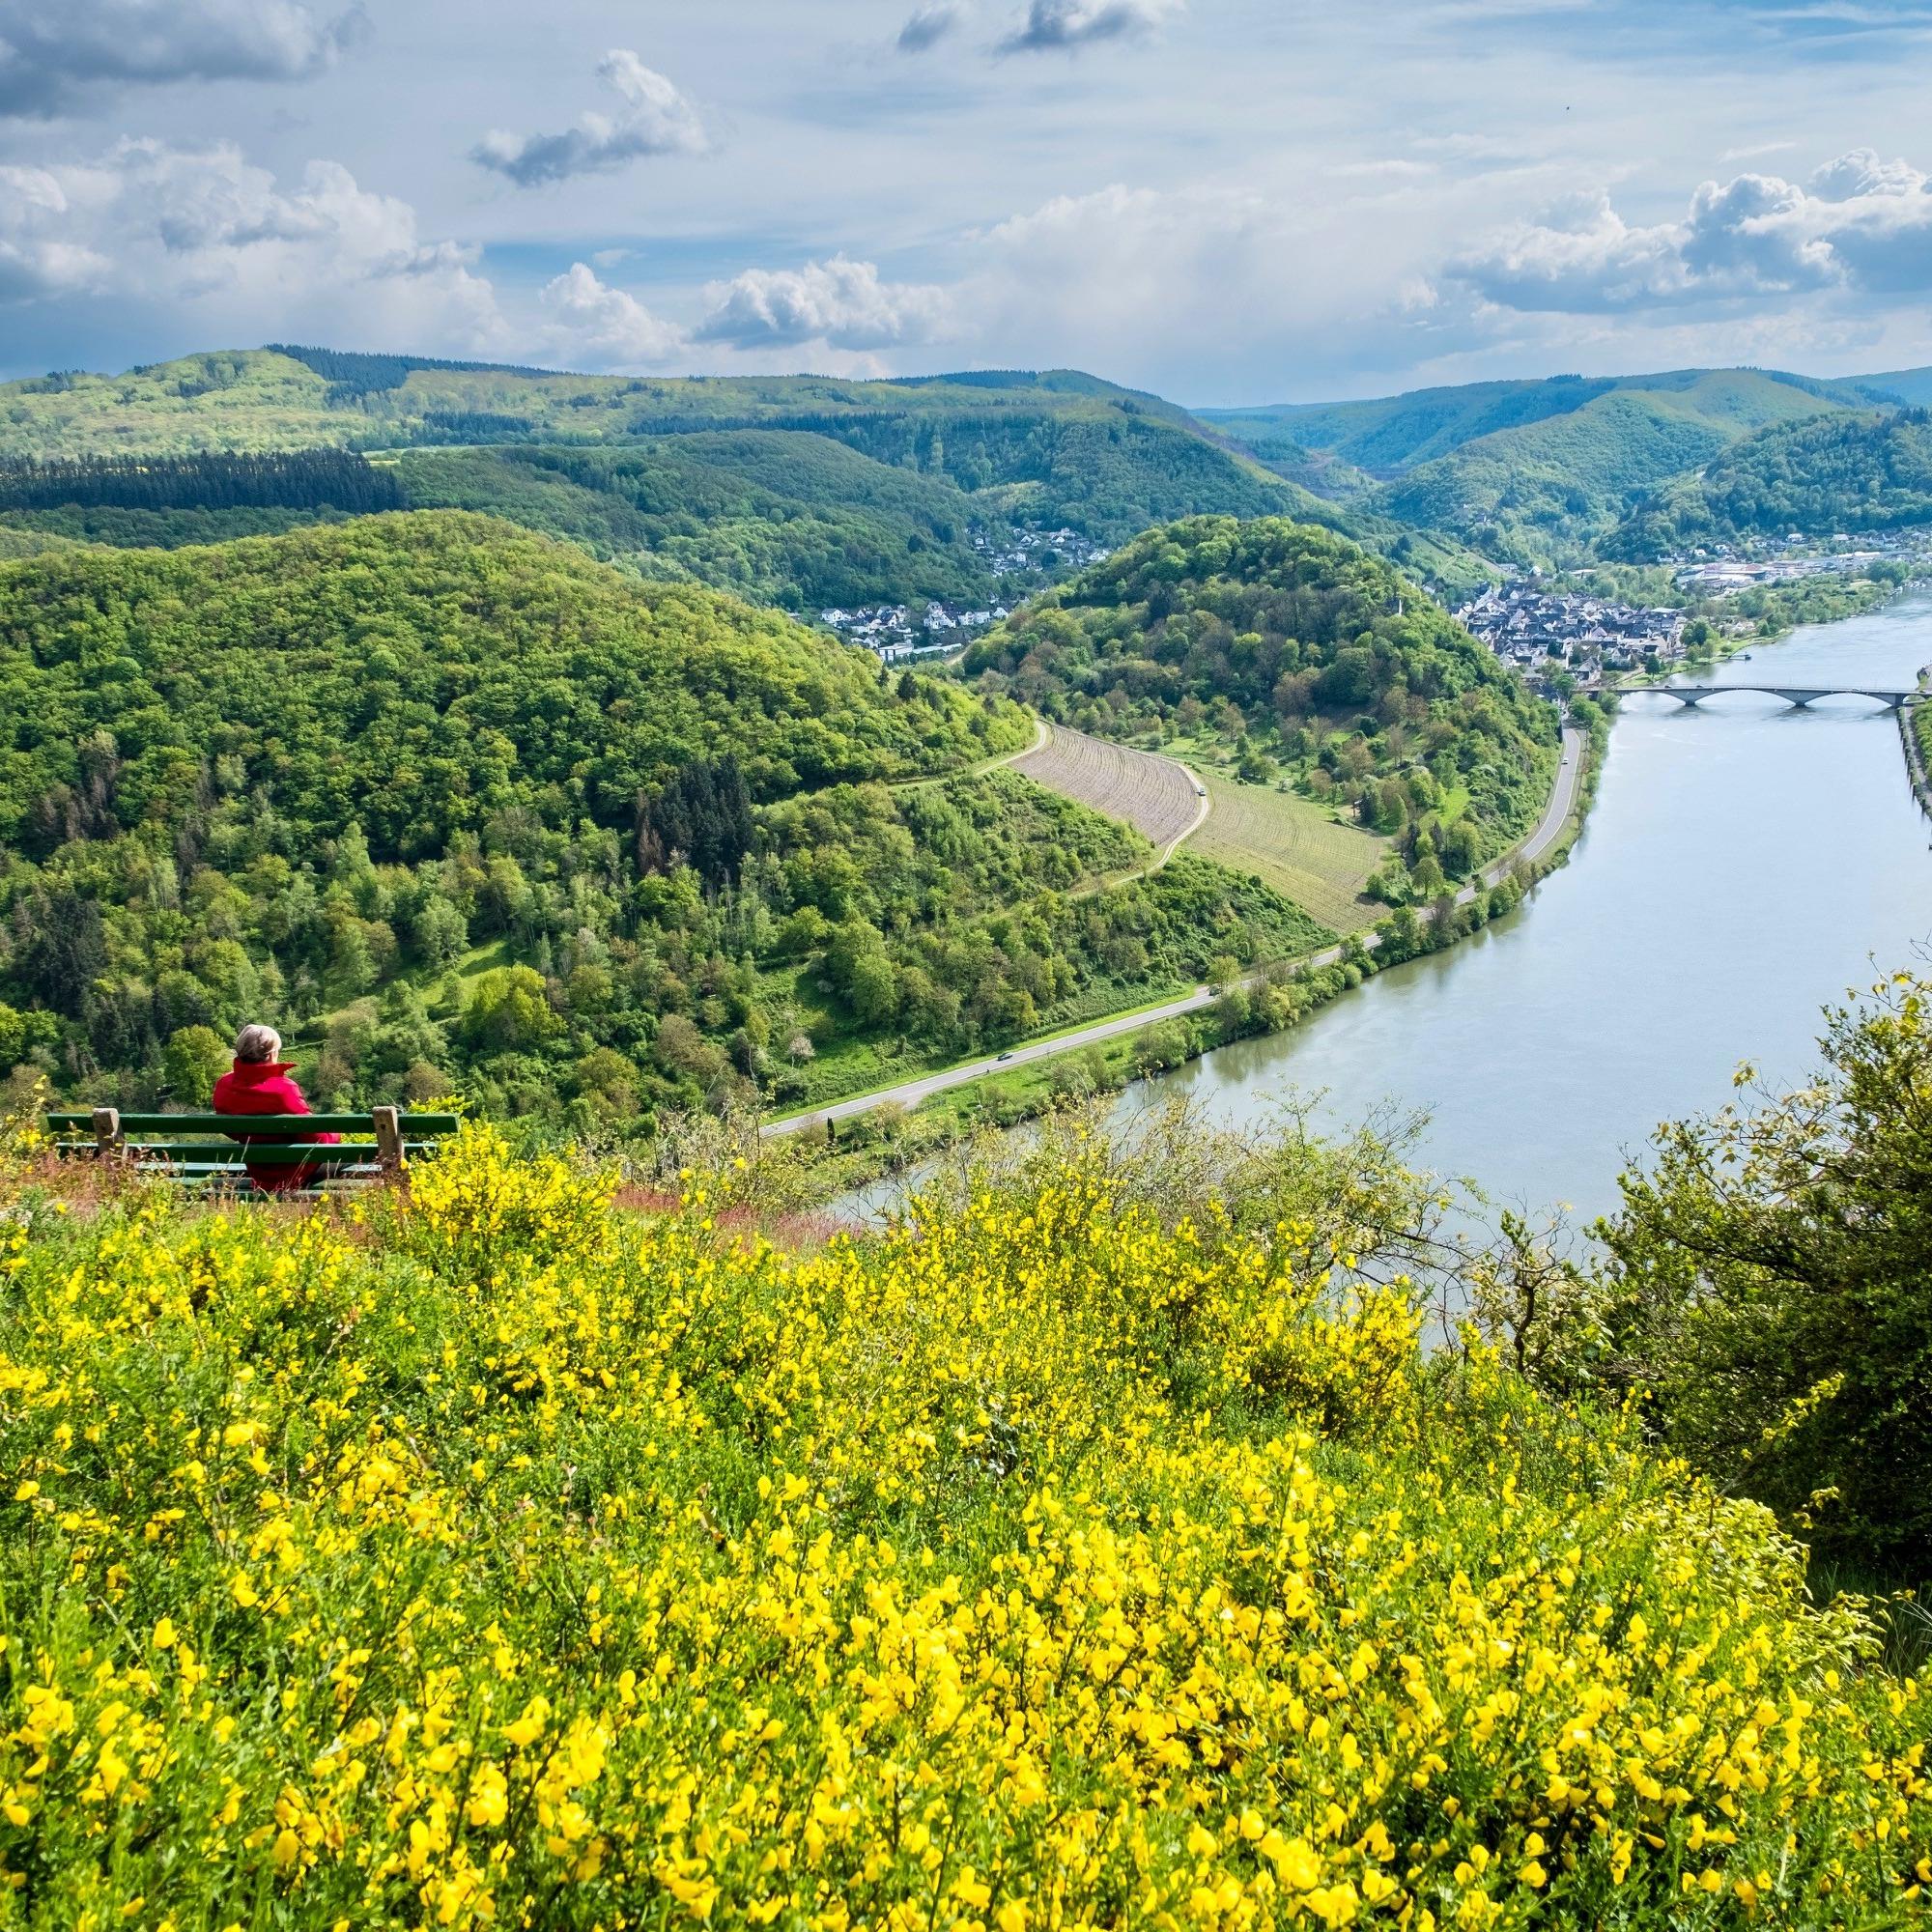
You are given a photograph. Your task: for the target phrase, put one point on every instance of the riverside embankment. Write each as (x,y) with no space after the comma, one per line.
(1550,831)
(1743,864)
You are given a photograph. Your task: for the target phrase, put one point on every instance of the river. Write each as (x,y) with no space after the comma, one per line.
(1744,864)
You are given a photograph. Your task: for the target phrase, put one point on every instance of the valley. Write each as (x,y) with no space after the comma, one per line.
(502,912)
(965,967)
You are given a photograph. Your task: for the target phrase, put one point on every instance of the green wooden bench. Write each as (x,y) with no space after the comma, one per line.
(201,1150)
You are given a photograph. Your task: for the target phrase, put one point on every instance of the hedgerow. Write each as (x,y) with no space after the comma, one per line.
(490,1556)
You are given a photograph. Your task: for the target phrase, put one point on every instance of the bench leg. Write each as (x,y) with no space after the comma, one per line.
(389,1141)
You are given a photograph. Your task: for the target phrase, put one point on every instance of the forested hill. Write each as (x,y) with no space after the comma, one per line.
(1542,471)
(1549,491)
(1829,474)
(1060,445)
(1386,434)
(417,675)
(462,809)
(289,398)
(1305,653)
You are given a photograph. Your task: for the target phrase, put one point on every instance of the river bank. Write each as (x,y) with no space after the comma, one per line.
(1742,866)
(870,1136)
(1914,726)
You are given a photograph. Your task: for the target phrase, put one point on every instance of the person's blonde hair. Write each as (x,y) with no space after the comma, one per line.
(258,1043)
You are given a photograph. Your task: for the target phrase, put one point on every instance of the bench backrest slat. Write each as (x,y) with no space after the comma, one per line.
(233,1155)
(378,1145)
(256,1123)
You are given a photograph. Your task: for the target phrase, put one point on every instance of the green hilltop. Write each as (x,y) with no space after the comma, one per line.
(1310,659)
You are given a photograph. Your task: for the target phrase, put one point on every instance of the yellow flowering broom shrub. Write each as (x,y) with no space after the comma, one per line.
(504,1561)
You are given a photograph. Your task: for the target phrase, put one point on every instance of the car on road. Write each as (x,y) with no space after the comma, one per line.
(1002,1056)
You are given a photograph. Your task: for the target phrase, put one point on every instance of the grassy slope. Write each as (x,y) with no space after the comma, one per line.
(1296,846)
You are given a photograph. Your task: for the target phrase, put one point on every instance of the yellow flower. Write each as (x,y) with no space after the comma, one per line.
(526,1730)
(489,1798)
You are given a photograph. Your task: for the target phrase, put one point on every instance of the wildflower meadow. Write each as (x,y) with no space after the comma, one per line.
(486,1556)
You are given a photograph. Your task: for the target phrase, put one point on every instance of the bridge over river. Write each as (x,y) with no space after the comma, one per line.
(1800,695)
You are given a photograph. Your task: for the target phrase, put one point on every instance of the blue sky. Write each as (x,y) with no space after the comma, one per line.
(1223,200)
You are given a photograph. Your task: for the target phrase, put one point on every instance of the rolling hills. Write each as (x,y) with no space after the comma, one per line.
(460,807)
(1058,445)
(1849,473)
(796,491)
(1387,434)
(1542,471)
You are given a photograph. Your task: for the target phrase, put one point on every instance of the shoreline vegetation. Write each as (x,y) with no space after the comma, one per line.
(890,1139)
(1914,729)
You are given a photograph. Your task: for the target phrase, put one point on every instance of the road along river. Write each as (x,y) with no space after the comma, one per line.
(1744,864)
(911,1092)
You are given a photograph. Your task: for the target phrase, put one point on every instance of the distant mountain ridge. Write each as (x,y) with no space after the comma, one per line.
(810,492)
(1389,433)
(1852,473)
(787,489)
(1543,470)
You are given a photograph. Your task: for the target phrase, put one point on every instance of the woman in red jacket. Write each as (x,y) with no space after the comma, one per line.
(262,1082)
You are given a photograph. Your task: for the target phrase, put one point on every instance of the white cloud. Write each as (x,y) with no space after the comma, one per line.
(202,234)
(839,302)
(1858,224)
(929,25)
(657,119)
(1061,25)
(55,52)
(1130,282)
(588,324)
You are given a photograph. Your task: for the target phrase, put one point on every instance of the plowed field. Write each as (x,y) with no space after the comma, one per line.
(1154,795)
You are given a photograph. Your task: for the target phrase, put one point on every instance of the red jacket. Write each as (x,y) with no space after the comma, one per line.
(268,1087)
